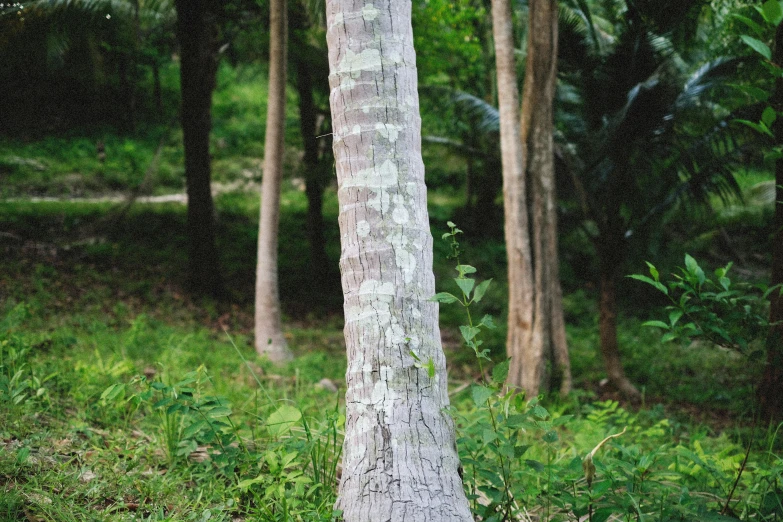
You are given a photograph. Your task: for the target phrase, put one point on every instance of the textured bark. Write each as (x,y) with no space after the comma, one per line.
(536,329)
(520,268)
(771,389)
(198,69)
(270,340)
(314,184)
(399,460)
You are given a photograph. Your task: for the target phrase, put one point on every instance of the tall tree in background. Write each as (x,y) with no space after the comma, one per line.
(536,329)
(771,389)
(400,461)
(197,35)
(268,329)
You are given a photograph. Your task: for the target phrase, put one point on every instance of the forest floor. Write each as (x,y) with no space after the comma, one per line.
(100,339)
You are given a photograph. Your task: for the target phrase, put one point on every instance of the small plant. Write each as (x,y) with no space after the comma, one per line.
(724,313)
(185,417)
(493,447)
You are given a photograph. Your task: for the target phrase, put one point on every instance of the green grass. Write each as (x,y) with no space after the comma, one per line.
(97,336)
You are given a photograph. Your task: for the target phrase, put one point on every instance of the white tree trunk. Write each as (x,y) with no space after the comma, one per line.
(268,330)
(399,461)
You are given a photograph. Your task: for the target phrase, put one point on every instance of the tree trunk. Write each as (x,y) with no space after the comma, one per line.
(607,322)
(536,329)
(771,389)
(520,269)
(399,461)
(198,68)
(270,340)
(314,184)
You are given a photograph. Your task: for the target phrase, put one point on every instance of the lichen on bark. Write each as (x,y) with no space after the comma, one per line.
(399,461)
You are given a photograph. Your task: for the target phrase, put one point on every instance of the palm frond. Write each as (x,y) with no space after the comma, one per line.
(482,116)
(710,75)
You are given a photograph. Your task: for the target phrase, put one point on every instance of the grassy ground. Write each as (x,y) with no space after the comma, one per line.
(123,398)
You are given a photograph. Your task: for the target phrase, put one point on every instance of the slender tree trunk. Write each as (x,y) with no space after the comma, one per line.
(198,69)
(314,185)
(771,389)
(399,461)
(609,259)
(536,329)
(270,340)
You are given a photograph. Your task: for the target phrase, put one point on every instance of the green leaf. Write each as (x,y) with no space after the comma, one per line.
(489,436)
(520,450)
(772,12)
(466,269)
(466,285)
(450,224)
(537,466)
(112,392)
(431,368)
(193,429)
(653,270)
(674,316)
(507,450)
(517,421)
(487,322)
(468,332)
(758,46)
(769,116)
(22,454)
(480,394)
(656,324)
(282,420)
(444,297)
(649,281)
(500,372)
(540,412)
(758,127)
(481,289)
(550,436)
(671,336)
(694,269)
(244,484)
(753,26)
(220,411)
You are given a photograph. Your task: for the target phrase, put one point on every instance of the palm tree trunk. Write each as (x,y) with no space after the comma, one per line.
(399,461)
(198,69)
(771,389)
(270,340)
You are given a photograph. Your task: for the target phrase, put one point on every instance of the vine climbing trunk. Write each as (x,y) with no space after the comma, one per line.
(536,329)
(269,338)
(399,461)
